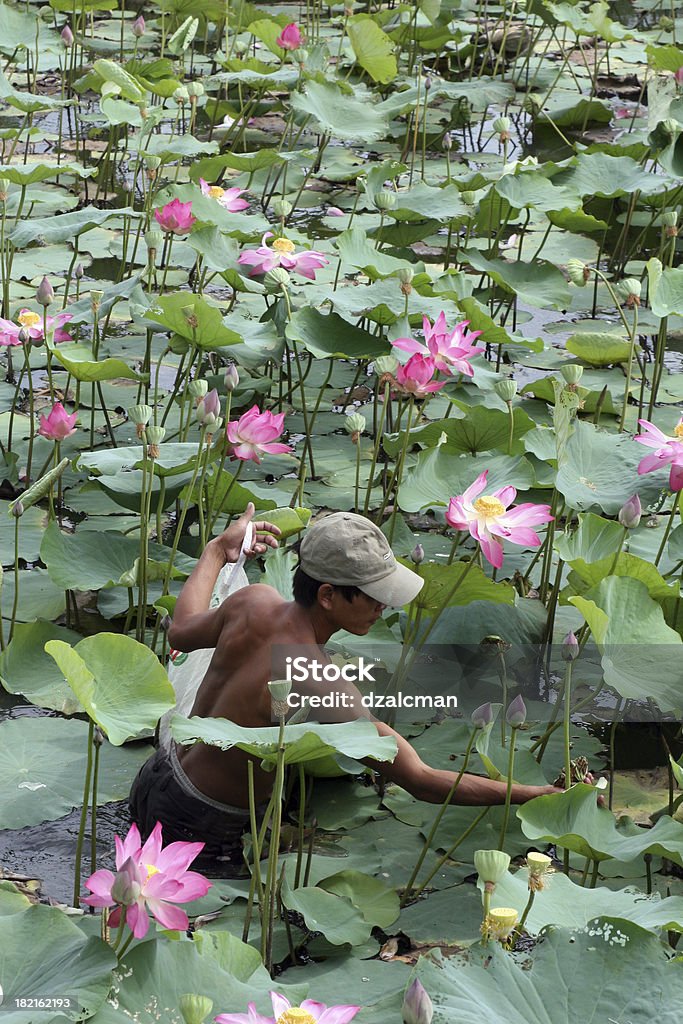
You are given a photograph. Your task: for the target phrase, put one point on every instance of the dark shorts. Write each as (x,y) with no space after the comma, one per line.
(163,792)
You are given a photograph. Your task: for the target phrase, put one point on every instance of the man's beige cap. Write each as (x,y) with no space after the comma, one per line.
(346,549)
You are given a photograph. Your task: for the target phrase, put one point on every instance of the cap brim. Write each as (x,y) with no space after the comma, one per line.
(397,589)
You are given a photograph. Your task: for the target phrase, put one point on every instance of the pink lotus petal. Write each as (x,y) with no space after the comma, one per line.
(168,916)
(280,1004)
(137,920)
(336,1014)
(475,489)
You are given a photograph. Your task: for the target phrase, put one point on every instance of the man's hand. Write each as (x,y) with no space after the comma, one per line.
(230,543)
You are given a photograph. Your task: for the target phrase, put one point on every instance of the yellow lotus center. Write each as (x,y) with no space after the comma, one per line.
(28,319)
(284,245)
(678,430)
(215,192)
(295,1015)
(505,916)
(151,871)
(489,506)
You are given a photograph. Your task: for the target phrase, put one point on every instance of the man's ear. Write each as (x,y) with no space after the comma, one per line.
(325,594)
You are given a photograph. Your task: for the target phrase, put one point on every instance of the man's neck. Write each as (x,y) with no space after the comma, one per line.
(315,619)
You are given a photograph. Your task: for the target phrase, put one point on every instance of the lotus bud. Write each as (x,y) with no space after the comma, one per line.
(231,379)
(155,436)
(417,554)
(196,90)
(24,336)
(17,508)
(506,389)
(447,142)
(277,279)
(630,513)
(110,89)
(501,921)
(67,36)
(491,865)
(385,200)
(47,14)
(482,716)
(355,424)
(578,272)
(280,690)
(208,409)
(195,1009)
(571,648)
(79,271)
(282,208)
(531,104)
(98,737)
(181,95)
(125,888)
(198,388)
(538,863)
(572,373)
(4,189)
(631,288)
(95,300)
(417,1006)
(139,27)
(385,364)
(190,316)
(45,294)
(516,712)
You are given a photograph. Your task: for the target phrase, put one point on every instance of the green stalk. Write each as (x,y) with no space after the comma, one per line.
(84,815)
(508,791)
(356,500)
(302,825)
(629,369)
(256,885)
(375,453)
(437,819)
(270,892)
(15,603)
(451,850)
(93,805)
(667,531)
(529,905)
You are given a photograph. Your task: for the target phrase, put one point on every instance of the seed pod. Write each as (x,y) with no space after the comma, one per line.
(282,208)
(578,272)
(505,389)
(198,388)
(491,865)
(385,200)
(355,423)
(385,364)
(195,1009)
(572,373)
(277,279)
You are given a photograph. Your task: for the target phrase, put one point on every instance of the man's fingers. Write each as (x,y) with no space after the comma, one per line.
(249,511)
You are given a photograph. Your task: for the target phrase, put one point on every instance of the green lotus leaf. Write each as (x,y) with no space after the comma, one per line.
(425,202)
(43,762)
(345,117)
(373,48)
(438,475)
(335,916)
(492,333)
(665,290)
(93,559)
(27,102)
(627,565)
(574,820)
(29,174)
(442,580)
(216,965)
(63,965)
(539,283)
(331,336)
(599,349)
(599,470)
(356,250)
(568,905)
(66,226)
(124,702)
(569,976)
(174,459)
(309,742)
(79,360)
(209,333)
(25,668)
(599,174)
(641,655)
(82,311)
(533,190)
(593,540)
(110,71)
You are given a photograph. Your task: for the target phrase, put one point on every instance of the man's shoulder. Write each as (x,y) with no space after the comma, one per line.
(258,595)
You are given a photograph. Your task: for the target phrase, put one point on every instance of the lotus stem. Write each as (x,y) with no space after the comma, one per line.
(270,893)
(508,791)
(15,603)
(667,531)
(451,850)
(84,815)
(437,820)
(93,805)
(529,905)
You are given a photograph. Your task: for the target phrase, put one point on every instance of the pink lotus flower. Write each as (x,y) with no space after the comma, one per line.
(334,211)
(450,349)
(290,38)
(281,254)
(175,217)
(255,432)
(32,323)
(58,424)
(308,1012)
(415,378)
(489,517)
(678,76)
(227,197)
(668,452)
(148,879)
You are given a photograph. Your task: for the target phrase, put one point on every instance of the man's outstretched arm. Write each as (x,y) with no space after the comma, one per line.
(433,785)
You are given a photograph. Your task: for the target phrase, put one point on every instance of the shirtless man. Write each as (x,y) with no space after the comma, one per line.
(346,578)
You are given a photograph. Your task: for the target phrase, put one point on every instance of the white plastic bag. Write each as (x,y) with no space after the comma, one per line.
(187,670)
